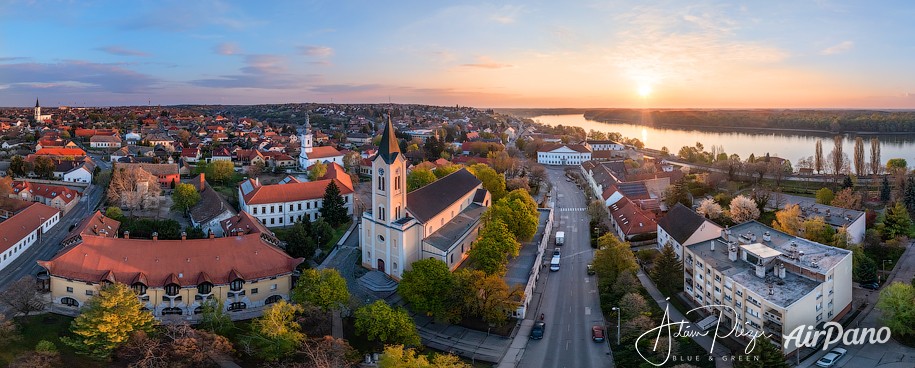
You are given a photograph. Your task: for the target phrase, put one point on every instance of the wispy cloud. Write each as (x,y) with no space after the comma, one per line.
(507,14)
(185,15)
(260,71)
(485,62)
(120,51)
(227,48)
(75,75)
(839,48)
(316,51)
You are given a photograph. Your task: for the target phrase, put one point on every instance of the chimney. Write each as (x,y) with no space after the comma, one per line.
(126,234)
(202,181)
(211,234)
(184,235)
(713,245)
(753,237)
(155,235)
(732,252)
(767,237)
(781,270)
(760,269)
(257,182)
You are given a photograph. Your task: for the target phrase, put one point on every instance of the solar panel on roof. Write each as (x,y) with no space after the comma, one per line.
(246,187)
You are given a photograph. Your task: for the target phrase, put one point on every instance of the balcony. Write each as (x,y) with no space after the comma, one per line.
(773,328)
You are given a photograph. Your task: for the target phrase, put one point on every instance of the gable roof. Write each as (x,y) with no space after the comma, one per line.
(389,148)
(21,224)
(323,152)
(681,222)
(253,193)
(430,200)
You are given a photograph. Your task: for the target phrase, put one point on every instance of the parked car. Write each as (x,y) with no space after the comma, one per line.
(556,252)
(597,333)
(831,358)
(537,331)
(870,285)
(590,269)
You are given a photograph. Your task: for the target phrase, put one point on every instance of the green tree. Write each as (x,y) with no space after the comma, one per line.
(492,181)
(333,207)
(864,268)
(381,323)
(895,165)
(396,356)
(612,259)
(184,197)
(322,233)
(495,243)
(678,193)
(422,287)
(788,220)
(825,196)
(769,356)
(896,222)
(667,272)
(276,333)
(215,319)
(299,243)
(885,190)
(897,302)
(816,229)
(18,166)
(908,196)
(107,320)
(519,212)
(324,289)
(220,171)
(487,295)
(445,170)
(418,178)
(317,171)
(9,333)
(43,167)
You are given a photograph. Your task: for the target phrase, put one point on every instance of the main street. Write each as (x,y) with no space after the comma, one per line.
(570,300)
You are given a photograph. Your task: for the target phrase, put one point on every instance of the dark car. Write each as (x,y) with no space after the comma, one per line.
(556,252)
(537,331)
(870,285)
(590,269)
(597,333)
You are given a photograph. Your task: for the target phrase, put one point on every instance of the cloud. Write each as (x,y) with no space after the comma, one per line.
(227,48)
(484,62)
(75,76)
(316,51)
(185,15)
(260,71)
(120,51)
(839,48)
(507,14)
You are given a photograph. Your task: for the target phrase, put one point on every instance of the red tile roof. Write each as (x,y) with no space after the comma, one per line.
(96,224)
(291,192)
(23,223)
(61,152)
(323,152)
(631,219)
(46,190)
(166,261)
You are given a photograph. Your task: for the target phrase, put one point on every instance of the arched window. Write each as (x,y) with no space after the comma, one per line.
(273,299)
(171,311)
(204,288)
(69,302)
(236,284)
(237,306)
(198,310)
(172,289)
(139,288)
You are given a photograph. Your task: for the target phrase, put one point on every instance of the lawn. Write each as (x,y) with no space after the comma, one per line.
(50,327)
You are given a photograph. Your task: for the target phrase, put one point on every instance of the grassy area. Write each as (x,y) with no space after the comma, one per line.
(230,193)
(50,327)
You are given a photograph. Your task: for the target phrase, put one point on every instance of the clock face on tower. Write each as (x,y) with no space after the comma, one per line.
(381,171)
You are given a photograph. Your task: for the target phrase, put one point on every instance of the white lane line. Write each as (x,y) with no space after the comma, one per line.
(587,280)
(587,311)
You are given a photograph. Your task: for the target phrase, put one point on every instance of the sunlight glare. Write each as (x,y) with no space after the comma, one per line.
(644,90)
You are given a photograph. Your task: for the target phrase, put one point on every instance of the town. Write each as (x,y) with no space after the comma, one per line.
(331,235)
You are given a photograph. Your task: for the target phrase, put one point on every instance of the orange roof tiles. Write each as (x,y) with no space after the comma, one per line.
(61,152)
(23,223)
(291,192)
(323,152)
(44,190)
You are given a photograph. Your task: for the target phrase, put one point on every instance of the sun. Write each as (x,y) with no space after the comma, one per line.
(644,90)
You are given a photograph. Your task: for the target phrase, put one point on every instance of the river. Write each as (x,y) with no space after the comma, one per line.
(785,144)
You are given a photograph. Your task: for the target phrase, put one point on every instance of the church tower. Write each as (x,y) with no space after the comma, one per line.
(389,171)
(37,111)
(306,145)
(388,245)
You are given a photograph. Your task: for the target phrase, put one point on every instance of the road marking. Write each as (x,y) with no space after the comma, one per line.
(567,344)
(587,311)
(587,280)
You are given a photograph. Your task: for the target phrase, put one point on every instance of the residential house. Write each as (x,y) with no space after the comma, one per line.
(24,229)
(211,209)
(682,227)
(104,141)
(57,196)
(292,200)
(167,174)
(563,154)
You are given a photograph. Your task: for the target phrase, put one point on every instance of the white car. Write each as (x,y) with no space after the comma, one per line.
(831,358)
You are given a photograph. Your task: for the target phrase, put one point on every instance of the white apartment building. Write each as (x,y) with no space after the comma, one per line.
(768,281)
(563,154)
(24,229)
(280,205)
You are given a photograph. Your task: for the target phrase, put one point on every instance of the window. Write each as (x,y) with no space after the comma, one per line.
(171,311)
(172,289)
(255,210)
(198,310)
(89,292)
(204,288)
(236,284)
(300,206)
(254,291)
(272,221)
(237,306)
(273,299)
(273,287)
(819,317)
(69,289)
(290,207)
(70,302)
(272,209)
(381,237)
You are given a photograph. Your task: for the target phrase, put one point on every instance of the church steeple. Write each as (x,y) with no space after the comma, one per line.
(36,103)
(388,148)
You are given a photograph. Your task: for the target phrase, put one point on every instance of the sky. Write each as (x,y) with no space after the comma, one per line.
(661,54)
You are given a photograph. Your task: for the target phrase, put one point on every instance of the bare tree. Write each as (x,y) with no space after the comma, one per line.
(23,296)
(818,157)
(133,187)
(876,163)
(837,156)
(328,352)
(860,169)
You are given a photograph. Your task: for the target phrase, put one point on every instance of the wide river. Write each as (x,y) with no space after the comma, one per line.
(789,145)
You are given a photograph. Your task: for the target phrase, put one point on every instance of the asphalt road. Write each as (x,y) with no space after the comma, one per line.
(569,301)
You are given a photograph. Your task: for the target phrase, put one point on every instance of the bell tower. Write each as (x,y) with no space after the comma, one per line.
(37,111)
(306,145)
(389,171)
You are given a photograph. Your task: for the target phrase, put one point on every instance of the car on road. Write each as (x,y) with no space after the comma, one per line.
(831,358)
(597,333)
(537,331)
(556,252)
(590,269)
(870,285)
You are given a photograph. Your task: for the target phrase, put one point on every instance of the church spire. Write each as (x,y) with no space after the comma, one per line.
(388,147)
(36,103)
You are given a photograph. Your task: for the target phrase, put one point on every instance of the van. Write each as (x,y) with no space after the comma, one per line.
(554,264)
(560,237)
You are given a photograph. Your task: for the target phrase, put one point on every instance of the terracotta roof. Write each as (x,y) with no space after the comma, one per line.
(61,152)
(155,169)
(46,190)
(291,192)
(244,223)
(430,200)
(323,152)
(335,171)
(93,225)
(631,219)
(23,223)
(104,138)
(165,261)
(574,147)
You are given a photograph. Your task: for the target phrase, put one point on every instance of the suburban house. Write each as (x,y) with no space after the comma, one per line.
(24,229)
(292,200)
(105,141)
(57,196)
(563,154)
(211,209)
(682,227)
(167,174)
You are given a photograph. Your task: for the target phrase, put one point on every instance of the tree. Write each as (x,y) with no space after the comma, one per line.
(897,302)
(175,345)
(23,296)
(9,333)
(18,166)
(908,194)
(445,170)
(632,305)
(518,211)
(220,171)
(418,178)
(495,243)
(333,208)
(487,295)
(817,230)
(864,268)
(678,193)
(612,258)
(838,158)
(329,352)
(743,209)
(501,161)
(133,188)
(107,320)
(256,168)
(825,196)
(860,168)
(885,190)
(788,220)
(299,243)
(317,171)
(667,272)
(44,356)
(324,289)
(396,356)
(422,287)
(215,319)
(43,167)
(492,181)
(276,333)
(895,165)
(896,222)
(710,209)
(818,161)
(184,197)
(847,198)
(322,233)
(875,164)
(769,356)
(114,213)
(382,323)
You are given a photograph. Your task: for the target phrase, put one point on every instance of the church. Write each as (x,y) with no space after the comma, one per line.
(439,220)
(310,155)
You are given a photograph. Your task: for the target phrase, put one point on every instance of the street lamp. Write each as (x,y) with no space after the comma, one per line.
(883,266)
(618,312)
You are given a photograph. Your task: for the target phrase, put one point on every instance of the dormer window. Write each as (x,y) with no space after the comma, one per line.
(204,288)
(172,289)
(237,285)
(139,288)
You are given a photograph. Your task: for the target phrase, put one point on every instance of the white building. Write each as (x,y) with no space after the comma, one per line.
(79,174)
(683,227)
(606,145)
(24,229)
(563,154)
(291,200)
(310,155)
(767,281)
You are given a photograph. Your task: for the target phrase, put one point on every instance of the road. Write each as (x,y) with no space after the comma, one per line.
(569,301)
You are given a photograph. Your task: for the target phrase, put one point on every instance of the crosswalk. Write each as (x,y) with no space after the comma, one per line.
(578,209)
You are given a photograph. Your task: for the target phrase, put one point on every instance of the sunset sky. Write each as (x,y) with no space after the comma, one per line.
(526,54)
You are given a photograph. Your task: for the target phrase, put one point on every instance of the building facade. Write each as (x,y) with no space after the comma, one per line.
(23,229)
(682,227)
(564,154)
(310,155)
(291,200)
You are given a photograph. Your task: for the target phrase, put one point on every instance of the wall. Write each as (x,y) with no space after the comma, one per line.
(521,312)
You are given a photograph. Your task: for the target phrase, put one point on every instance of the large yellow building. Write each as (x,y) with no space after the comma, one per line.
(245,270)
